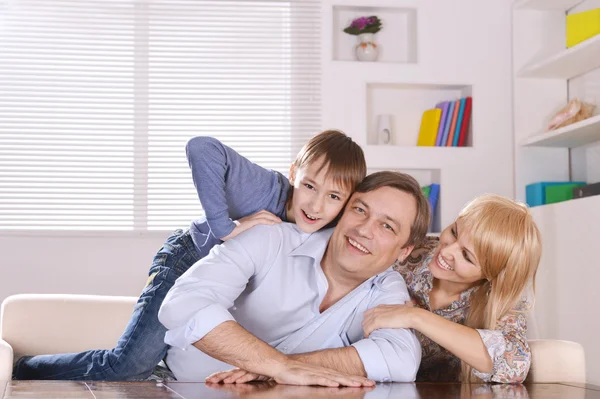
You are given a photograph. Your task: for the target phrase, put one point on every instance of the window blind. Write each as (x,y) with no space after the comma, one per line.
(98,98)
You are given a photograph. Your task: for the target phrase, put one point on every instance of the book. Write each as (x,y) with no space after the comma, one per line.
(588,190)
(447,123)
(429,127)
(444,106)
(426,191)
(434,195)
(453,124)
(465,123)
(459,122)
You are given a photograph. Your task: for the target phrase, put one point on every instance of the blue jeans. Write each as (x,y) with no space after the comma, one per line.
(141,347)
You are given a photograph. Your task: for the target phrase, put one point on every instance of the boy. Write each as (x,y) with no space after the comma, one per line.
(236,194)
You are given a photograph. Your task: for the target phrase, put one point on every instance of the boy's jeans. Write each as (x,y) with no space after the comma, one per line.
(141,347)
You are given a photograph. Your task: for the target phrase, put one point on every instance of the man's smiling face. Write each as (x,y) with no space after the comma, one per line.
(372,232)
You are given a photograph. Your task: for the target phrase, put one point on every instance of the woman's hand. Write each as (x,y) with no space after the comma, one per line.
(261,217)
(389,316)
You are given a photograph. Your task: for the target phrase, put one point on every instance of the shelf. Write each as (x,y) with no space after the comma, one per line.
(397,41)
(404,105)
(579,208)
(392,156)
(567,64)
(562,5)
(575,135)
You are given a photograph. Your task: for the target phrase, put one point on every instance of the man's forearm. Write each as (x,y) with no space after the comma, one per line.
(345,360)
(231,343)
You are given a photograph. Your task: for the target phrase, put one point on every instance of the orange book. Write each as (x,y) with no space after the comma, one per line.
(453,124)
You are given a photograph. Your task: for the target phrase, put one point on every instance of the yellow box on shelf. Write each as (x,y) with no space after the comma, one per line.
(582,26)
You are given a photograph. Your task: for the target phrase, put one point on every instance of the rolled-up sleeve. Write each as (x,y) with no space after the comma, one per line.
(392,355)
(508,349)
(200,299)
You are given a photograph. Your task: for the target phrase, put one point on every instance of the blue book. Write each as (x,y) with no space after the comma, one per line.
(444,106)
(447,123)
(461,112)
(434,195)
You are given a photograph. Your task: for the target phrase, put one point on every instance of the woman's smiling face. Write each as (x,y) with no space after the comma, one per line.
(454,260)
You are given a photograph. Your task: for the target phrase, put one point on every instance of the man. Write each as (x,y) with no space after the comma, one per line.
(289,305)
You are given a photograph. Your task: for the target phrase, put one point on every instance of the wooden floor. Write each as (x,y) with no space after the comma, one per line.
(182,390)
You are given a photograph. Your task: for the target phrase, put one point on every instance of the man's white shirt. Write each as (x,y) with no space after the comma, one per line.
(269,280)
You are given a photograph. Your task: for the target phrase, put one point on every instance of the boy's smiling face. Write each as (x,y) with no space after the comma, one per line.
(317,200)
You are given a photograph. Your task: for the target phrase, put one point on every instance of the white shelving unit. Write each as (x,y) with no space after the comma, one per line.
(397,43)
(578,134)
(541,88)
(546,76)
(567,64)
(432,51)
(561,5)
(383,98)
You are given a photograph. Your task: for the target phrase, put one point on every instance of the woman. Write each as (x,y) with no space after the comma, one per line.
(467,290)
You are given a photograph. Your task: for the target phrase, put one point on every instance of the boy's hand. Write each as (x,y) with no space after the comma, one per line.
(261,217)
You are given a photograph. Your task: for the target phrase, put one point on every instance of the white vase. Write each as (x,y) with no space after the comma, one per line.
(384,129)
(366,49)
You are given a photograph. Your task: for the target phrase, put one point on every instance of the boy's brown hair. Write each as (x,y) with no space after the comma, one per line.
(407,184)
(343,159)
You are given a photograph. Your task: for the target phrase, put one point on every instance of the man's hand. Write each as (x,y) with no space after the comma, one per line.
(261,217)
(235,376)
(293,373)
(298,373)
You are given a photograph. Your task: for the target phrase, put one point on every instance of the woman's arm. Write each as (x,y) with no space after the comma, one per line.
(508,347)
(464,342)
(500,355)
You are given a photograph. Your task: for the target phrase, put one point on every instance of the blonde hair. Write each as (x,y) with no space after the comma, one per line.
(508,246)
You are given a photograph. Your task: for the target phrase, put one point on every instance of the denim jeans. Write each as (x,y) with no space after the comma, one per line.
(141,347)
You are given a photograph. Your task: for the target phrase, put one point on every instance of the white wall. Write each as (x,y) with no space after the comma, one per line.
(567,283)
(85,264)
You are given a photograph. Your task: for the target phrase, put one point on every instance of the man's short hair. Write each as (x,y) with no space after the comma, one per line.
(407,184)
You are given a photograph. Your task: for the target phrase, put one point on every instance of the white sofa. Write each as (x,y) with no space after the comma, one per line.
(34,324)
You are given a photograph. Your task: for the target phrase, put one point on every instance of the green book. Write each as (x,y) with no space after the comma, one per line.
(426,191)
(560,193)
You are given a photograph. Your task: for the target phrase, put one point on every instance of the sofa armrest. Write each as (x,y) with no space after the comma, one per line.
(556,361)
(6,361)
(34,324)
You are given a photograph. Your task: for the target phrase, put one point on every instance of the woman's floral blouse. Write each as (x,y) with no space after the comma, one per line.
(507,345)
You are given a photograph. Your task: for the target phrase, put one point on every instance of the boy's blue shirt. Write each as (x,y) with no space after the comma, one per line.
(230,187)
